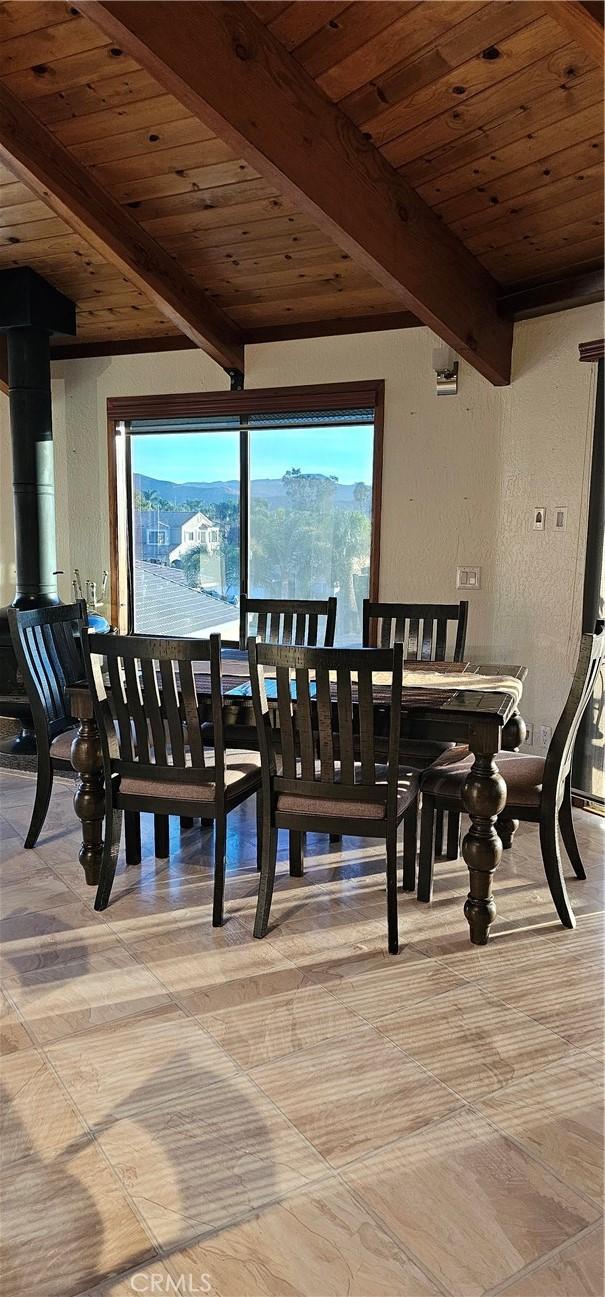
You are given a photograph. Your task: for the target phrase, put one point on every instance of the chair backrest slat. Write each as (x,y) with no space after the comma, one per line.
(152,705)
(421,628)
(328,696)
(137,711)
(171,710)
(427,639)
(441,639)
(47,647)
(120,707)
(277,620)
(366,726)
(149,717)
(345,724)
(304,724)
(286,635)
(286,722)
(191,714)
(324,723)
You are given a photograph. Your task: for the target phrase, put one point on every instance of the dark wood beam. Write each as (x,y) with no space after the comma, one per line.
(120,347)
(583,20)
(275,333)
(332,328)
(592,351)
(526,300)
(3,365)
(33,154)
(224,66)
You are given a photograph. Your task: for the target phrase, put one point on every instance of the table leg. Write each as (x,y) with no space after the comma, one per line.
(89,797)
(484,796)
(514,733)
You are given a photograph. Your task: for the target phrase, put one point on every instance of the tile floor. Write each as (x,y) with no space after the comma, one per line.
(191,1111)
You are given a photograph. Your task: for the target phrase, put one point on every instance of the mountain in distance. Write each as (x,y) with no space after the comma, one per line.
(265,488)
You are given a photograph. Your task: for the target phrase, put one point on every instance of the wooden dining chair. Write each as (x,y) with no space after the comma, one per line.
(48,651)
(538,788)
(288,621)
(328,776)
(429,632)
(283,621)
(155,757)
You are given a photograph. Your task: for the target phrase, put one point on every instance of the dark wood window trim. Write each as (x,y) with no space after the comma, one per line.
(327,396)
(593,350)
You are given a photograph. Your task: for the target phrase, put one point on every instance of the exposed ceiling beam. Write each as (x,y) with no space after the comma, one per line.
(583,20)
(332,328)
(34,155)
(526,301)
(222,64)
(119,347)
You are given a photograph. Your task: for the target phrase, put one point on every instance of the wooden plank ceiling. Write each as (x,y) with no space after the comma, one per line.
(491,111)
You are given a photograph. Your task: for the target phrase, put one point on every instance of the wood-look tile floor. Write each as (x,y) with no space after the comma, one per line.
(187,1110)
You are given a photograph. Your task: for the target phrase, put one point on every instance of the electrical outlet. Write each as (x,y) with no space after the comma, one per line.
(544,736)
(539,518)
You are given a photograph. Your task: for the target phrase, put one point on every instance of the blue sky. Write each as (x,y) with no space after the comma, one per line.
(212,457)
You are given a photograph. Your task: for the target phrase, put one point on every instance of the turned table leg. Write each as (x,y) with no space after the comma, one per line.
(484,796)
(89,797)
(514,733)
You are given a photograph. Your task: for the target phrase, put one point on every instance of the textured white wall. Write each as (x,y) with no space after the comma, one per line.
(461,474)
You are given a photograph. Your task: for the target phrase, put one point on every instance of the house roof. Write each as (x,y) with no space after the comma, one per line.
(200,520)
(173,518)
(166,605)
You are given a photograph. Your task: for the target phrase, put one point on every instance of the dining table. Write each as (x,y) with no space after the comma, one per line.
(471,703)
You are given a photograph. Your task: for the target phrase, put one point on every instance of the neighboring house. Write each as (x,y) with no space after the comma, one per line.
(197,530)
(157,531)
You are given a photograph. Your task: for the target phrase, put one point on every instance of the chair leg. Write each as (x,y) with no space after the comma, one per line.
(161,836)
(392,924)
(568,832)
(296,854)
(206,824)
(186,822)
(506,828)
(410,838)
(549,844)
(111,847)
(334,838)
(267,879)
(44,787)
(439,819)
(427,856)
(220,847)
(132,837)
(259,830)
(453,835)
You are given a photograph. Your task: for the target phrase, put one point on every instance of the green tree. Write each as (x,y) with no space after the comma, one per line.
(350,555)
(362,495)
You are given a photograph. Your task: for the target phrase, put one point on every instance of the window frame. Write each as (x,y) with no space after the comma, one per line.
(288,400)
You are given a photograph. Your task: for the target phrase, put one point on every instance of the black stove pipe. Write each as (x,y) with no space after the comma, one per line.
(28,353)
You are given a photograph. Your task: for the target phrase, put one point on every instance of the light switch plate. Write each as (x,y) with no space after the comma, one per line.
(468,578)
(560,515)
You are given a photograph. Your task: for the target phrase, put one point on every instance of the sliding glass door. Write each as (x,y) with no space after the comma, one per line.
(185,531)
(278,503)
(311,516)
